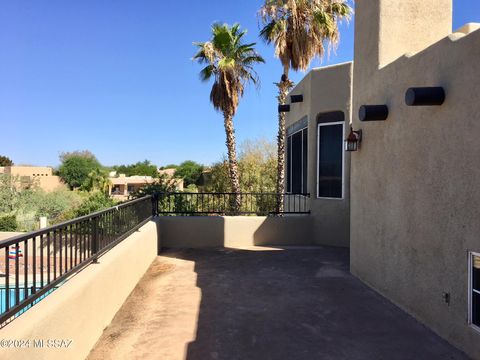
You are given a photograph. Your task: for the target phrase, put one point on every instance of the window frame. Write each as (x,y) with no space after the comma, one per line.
(471,255)
(317,193)
(289,154)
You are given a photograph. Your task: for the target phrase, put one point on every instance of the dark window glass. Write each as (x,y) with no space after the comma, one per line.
(330,161)
(289,164)
(476,273)
(297,162)
(297,151)
(305,160)
(476,309)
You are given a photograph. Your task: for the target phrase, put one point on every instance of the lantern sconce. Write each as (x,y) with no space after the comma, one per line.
(283,108)
(373,112)
(296,99)
(352,143)
(425,96)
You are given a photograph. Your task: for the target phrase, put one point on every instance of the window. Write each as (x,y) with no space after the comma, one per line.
(330,155)
(474,290)
(297,157)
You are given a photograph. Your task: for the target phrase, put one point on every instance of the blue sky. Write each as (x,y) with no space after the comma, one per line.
(115,77)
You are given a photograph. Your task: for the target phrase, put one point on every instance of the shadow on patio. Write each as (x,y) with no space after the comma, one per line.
(262,303)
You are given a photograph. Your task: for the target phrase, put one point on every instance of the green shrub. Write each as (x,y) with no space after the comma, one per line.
(8,223)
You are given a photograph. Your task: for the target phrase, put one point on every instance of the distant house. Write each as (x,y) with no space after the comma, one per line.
(41,176)
(123,186)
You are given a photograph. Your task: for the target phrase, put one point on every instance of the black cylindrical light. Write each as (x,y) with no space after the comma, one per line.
(373,112)
(425,96)
(283,108)
(296,99)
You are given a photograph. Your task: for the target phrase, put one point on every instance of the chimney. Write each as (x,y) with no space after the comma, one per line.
(387,29)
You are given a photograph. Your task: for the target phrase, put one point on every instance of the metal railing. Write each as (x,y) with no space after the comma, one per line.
(34,264)
(223,204)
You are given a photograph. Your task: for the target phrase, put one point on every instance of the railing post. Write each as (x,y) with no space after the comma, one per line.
(155,204)
(95,239)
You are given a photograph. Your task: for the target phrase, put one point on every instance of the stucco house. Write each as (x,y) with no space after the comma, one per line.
(122,186)
(407,201)
(41,176)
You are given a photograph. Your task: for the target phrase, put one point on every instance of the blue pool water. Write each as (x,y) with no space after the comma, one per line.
(21,293)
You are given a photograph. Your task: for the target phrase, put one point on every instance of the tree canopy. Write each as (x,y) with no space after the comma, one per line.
(5,161)
(300,29)
(76,167)
(230,63)
(143,168)
(190,171)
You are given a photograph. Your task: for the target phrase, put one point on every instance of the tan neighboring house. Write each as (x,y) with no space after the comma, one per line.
(171,174)
(122,186)
(41,176)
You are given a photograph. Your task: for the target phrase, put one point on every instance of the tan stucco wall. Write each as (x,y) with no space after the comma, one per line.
(324,90)
(234,231)
(415,196)
(29,170)
(40,175)
(81,308)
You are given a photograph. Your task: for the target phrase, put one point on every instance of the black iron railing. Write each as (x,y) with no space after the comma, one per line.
(223,204)
(34,264)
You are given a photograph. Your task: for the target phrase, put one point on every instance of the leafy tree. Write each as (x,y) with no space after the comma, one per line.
(10,187)
(299,30)
(143,168)
(95,201)
(258,166)
(190,171)
(230,63)
(257,169)
(217,179)
(5,161)
(76,167)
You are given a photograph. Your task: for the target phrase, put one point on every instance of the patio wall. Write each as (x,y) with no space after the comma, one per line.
(415,197)
(234,231)
(80,309)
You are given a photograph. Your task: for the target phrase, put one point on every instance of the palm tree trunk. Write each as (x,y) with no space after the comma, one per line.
(232,160)
(284,87)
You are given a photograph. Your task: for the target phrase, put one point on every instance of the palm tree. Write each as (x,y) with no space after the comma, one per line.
(299,30)
(230,63)
(97,180)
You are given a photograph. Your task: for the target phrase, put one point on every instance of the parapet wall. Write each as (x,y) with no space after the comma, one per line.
(234,231)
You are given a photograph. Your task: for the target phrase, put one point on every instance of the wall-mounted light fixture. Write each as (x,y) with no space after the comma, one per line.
(352,143)
(373,112)
(283,108)
(296,98)
(425,96)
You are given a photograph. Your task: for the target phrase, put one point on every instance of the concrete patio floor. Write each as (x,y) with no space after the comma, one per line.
(262,303)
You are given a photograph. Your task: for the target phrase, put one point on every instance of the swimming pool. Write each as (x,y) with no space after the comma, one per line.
(21,296)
